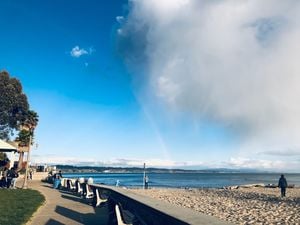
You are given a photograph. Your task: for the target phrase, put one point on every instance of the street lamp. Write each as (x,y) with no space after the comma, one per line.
(144,177)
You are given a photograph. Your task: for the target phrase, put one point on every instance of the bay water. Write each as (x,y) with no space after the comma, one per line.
(187,180)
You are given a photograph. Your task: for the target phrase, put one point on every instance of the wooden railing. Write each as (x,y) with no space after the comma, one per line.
(126,207)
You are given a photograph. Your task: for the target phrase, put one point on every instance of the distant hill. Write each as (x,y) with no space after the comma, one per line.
(93,169)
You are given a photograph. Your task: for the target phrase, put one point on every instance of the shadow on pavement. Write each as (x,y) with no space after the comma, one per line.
(99,217)
(75,198)
(48,186)
(53,222)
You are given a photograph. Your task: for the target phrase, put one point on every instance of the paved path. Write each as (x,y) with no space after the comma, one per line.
(65,208)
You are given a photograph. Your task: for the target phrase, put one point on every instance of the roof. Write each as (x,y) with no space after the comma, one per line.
(5,147)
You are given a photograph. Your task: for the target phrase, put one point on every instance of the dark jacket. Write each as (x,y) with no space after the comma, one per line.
(282,182)
(12,174)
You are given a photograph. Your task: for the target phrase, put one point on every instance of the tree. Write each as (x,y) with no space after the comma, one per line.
(16,116)
(13,105)
(3,159)
(27,126)
(23,138)
(3,156)
(30,121)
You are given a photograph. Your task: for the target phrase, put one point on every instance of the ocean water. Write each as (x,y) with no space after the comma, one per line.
(185,180)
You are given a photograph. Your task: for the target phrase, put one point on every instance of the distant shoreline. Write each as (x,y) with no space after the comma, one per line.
(185,180)
(152,172)
(113,170)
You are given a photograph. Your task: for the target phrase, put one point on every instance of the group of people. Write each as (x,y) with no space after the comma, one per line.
(9,178)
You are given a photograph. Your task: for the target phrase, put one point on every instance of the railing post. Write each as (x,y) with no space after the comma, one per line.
(111,212)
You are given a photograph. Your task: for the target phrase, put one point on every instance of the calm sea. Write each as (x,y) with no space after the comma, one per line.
(193,180)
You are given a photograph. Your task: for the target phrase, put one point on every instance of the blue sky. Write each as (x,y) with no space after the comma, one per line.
(112,83)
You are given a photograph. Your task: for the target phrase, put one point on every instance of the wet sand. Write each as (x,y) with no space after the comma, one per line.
(251,205)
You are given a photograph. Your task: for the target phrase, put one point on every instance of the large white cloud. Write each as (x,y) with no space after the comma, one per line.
(231,62)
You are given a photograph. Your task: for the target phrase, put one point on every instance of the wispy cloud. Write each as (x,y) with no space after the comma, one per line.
(263,164)
(282,153)
(232,163)
(116,162)
(120,19)
(76,52)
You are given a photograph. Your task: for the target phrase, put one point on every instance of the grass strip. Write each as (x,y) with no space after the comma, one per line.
(18,205)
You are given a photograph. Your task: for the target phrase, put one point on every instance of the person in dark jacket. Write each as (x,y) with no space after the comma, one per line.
(12,176)
(15,175)
(4,177)
(282,183)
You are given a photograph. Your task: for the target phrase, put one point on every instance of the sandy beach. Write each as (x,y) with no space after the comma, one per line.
(254,205)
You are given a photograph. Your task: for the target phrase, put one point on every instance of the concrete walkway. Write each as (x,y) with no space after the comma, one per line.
(65,208)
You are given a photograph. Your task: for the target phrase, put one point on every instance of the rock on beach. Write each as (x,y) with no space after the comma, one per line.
(248,205)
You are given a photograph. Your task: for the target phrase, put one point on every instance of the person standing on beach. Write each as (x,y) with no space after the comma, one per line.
(146,182)
(282,184)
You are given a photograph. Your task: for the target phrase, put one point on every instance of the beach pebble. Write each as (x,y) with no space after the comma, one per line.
(251,205)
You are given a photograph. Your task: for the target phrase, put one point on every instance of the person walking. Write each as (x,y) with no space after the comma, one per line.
(282,184)
(30,173)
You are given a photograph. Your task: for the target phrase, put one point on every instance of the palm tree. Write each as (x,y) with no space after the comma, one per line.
(30,122)
(27,129)
(22,141)
(26,136)
(23,138)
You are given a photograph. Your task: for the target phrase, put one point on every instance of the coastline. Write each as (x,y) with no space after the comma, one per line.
(177,180)
(244,205)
